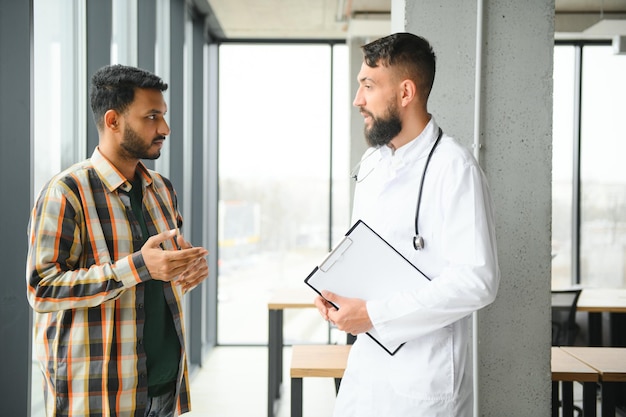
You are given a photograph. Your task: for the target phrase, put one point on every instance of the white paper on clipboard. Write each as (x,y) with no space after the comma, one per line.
(363,265)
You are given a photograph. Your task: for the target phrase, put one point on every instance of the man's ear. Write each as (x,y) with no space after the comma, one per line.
(408,92)
(111,120)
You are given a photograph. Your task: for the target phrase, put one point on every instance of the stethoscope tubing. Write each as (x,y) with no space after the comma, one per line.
(418,241)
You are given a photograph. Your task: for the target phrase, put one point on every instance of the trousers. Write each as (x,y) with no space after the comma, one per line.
(161,406)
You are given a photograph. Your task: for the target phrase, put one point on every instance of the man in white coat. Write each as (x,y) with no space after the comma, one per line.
(409,160)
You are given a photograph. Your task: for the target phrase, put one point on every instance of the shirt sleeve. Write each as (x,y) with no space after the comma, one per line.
(469,277)
(59,277)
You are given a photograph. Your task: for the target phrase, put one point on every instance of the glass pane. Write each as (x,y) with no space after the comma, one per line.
(603,171)
(56,118)
(55,72)
(124,32)
(274,153)
(562,165)
(342,102)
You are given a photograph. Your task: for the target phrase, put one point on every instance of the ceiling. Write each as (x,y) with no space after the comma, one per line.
(343,19)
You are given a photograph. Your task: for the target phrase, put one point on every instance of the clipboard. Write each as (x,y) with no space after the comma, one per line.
(364,265)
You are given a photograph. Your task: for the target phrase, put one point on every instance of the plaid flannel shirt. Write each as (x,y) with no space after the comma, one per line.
(83,269)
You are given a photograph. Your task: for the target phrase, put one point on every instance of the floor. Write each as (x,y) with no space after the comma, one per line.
(233,383)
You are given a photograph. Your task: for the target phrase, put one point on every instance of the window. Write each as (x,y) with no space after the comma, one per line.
(589,176)
(277,112)
(59,103)
(602,169)
(562,157)
(59,106)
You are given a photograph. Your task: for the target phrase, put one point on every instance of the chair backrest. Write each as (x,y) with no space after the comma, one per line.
(564,327)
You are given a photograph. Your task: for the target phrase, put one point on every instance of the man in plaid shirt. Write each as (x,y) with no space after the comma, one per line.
(107,268)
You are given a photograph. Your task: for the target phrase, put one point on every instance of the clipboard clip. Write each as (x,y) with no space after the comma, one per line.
(336,254)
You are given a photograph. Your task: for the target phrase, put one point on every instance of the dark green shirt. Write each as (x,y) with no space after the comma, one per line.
(159,334)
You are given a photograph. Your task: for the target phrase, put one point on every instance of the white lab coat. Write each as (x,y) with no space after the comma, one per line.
(431,375)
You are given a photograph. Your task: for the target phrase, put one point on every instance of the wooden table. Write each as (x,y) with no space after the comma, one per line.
(596,301)
(567,369)
(610,363)
(322,361)
(280,300)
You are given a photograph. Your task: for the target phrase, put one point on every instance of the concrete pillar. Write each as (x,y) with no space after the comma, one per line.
(514,122)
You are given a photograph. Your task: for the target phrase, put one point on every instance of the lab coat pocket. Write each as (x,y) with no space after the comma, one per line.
(425,367)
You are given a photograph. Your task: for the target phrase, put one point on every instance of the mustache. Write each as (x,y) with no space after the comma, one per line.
(362,110)
(158,138)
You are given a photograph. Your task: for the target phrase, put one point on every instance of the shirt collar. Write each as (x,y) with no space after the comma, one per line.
(112,178)
(416,148)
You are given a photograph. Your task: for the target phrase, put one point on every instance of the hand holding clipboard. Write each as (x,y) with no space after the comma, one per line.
(363,265)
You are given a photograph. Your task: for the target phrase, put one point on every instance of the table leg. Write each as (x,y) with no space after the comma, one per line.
(567,398)
(296,397)
(618,329)
(589,399)
(618,339)
(555,398)
(608,399)
(595,329)
(275,358)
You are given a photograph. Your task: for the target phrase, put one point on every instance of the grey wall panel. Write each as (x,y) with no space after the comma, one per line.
(176,101)
(16,191)
(198,181)
(146,39)
(99,32)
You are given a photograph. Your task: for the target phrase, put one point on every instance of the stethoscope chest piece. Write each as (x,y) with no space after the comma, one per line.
(418,242)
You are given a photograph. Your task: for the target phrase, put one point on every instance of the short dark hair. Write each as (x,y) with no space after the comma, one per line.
(113,88)
(412,55)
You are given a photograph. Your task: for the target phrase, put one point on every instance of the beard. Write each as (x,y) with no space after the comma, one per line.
(135,147)
(383,130)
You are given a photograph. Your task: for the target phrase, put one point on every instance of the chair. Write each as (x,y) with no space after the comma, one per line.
(564,327)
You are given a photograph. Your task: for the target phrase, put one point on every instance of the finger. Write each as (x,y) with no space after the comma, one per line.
(186,256)
(322,307)
(156,240)
(328,295)
(194,273)
(182,243)
(332,317)
(178,263)
(197,268)
(332,298)
(192,282)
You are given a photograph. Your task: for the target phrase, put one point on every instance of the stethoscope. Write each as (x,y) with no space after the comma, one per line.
(418,241)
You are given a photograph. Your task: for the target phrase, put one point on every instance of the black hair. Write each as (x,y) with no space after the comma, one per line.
(113,88)
(410,54)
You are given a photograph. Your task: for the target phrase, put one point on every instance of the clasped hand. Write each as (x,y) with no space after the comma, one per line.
(351,317)
(187,266)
